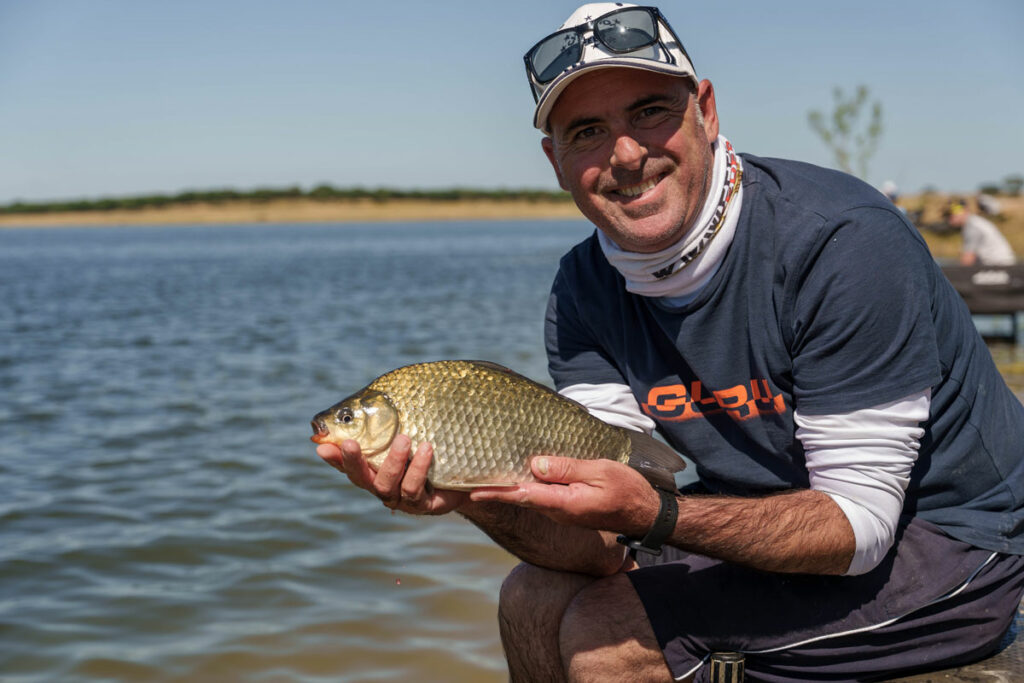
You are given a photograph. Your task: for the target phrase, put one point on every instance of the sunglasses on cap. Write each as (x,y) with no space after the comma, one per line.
(620,31)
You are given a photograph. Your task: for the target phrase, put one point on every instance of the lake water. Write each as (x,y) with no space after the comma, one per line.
(164,516)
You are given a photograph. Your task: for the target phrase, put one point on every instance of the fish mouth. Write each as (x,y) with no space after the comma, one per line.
(320,432)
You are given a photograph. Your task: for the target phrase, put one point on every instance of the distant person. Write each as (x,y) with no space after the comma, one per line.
(892,193)
(860,505)
(983,244)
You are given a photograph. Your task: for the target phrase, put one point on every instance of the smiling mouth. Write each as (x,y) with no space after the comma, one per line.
(631,191)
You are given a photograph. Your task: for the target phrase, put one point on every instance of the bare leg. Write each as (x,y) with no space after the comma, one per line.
(530,611)
(605,635)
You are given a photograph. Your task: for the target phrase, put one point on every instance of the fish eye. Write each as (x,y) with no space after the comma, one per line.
(344,416)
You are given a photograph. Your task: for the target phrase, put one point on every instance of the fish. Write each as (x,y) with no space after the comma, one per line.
(484,421)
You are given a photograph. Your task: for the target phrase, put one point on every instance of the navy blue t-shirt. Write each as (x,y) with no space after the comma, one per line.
(827,301)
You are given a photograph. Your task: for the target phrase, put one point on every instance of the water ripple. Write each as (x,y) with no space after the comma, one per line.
(165,517)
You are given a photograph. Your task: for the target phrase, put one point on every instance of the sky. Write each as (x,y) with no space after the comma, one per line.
(125,97)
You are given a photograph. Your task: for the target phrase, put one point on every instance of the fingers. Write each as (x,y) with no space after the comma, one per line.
(414,485)
(418,496)
(387,484)
(331,454)
(354,465)
(531,495)
(594,494)
(567,470)
(549,470)
(401,482)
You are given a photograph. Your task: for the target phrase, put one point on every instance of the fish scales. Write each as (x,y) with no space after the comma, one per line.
(485,423)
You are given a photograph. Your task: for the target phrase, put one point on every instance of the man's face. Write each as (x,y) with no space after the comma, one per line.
(627,145)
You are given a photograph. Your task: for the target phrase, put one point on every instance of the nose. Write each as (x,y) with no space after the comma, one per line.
(628,153)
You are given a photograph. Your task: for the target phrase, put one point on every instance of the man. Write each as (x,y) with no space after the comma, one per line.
(859,456)
(983,244)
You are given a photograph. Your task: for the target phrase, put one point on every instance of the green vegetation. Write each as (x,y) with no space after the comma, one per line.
(322,192)
(1011,187)
(852,133)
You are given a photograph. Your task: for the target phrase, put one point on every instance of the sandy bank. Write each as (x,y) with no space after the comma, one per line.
(302,211)
(306,210)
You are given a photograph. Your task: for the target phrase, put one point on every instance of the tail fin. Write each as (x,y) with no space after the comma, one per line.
(655,460)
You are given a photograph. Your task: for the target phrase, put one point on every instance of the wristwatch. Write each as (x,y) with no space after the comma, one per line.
(664,525)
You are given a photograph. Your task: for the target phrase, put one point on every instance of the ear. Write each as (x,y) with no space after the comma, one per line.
(548,145)
(706,102)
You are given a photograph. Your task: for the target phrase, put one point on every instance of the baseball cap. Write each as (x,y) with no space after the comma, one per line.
(602,35)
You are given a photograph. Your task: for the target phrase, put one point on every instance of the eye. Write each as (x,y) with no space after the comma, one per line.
(344,416)
(583,134)
(653,115)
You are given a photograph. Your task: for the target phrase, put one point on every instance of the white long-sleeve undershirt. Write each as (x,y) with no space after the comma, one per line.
(861,459)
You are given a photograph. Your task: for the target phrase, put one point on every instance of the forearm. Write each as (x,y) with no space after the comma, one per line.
(794,532)
(539,540)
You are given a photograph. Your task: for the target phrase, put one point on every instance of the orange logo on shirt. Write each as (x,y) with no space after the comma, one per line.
(673,403)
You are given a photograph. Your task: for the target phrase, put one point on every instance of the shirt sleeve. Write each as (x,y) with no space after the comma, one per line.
(862,460)
(613,403)
(861,329)
(574,354)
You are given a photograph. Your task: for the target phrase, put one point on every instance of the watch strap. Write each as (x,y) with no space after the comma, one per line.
(664,525)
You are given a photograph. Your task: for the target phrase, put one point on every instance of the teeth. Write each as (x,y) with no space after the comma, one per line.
(636,190)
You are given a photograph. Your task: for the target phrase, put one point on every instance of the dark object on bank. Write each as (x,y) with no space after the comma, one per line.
(989,289)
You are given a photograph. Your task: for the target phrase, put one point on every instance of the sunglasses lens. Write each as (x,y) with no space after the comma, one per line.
(555,54)
(627,30)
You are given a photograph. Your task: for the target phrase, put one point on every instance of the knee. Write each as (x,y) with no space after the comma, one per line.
(531,595)
(520,588)
(589,618)
(605,635)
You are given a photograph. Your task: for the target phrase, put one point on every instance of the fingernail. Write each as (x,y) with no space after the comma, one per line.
(542,465)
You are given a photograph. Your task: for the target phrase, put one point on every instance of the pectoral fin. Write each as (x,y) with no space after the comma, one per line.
(655,460)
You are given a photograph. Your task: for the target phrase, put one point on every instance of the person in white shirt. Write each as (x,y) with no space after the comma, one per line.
(983,243)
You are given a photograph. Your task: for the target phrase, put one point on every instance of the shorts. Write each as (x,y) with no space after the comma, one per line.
(932,603)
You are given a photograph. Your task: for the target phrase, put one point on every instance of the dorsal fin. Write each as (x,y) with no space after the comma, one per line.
(502,369)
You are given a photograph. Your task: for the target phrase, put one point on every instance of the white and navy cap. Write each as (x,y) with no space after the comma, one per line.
(666,56)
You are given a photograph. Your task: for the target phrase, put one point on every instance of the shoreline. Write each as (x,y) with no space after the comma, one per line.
(307,210)
(300,211)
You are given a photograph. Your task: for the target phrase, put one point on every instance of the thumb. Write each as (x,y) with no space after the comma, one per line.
(328,451)
(558,469)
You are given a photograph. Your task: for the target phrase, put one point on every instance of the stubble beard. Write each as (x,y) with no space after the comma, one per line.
(644,241)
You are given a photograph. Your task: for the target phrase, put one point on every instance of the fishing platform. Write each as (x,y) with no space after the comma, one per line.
(994,295)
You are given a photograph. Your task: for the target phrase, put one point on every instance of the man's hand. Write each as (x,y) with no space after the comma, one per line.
(595,494)
(400,483)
